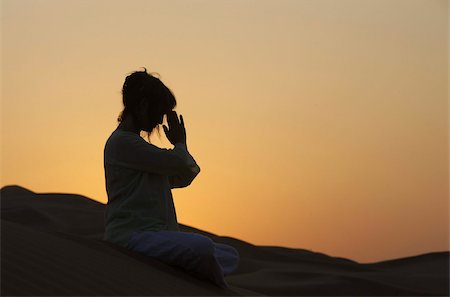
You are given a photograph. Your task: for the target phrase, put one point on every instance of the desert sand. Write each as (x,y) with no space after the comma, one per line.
(51,244)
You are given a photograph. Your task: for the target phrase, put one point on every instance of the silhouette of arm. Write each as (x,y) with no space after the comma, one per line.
(187,175)
(132,151)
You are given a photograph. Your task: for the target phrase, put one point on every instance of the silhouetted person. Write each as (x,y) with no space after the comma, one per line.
(140,214)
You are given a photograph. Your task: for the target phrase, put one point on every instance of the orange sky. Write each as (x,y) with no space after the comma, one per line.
(317,124)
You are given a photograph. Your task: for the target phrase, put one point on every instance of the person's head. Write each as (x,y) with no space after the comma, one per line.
(146,99)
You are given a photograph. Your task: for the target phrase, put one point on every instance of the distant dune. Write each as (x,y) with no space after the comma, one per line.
(51,244)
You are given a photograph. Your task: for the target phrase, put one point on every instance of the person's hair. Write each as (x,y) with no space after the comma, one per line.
(141,85)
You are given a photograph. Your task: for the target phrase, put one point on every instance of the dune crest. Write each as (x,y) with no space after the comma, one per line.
(52,245)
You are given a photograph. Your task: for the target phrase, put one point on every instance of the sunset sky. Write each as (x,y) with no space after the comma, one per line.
(320,125)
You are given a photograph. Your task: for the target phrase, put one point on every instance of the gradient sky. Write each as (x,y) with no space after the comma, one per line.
(319,124)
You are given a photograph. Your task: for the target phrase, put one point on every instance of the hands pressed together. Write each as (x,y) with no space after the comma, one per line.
(176,132)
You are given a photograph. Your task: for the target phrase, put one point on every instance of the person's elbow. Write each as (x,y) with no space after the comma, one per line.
(185,179)
(194,171)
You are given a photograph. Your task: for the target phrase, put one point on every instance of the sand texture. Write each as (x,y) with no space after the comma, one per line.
(51,245)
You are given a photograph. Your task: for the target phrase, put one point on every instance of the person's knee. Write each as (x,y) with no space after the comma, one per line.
(227,249)
(233,250)
(203,246)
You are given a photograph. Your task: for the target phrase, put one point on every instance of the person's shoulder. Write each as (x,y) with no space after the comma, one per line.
(118,137)
(123,137)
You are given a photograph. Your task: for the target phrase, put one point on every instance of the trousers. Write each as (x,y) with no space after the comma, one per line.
(193,252)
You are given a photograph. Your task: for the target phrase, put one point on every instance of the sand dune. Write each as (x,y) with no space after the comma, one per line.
(51,244)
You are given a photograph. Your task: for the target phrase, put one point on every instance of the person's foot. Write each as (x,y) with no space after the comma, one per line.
(218,275)
(210,269)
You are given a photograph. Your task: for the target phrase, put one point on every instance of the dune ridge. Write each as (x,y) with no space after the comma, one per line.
(52,245)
